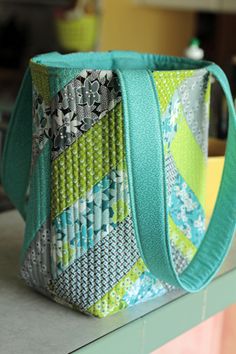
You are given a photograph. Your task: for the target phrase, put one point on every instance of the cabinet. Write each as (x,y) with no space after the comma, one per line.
(198,5)
(228,5)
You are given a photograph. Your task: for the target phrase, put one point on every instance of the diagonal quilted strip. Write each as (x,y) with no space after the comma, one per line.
(171,174)
(180,241)
(131,290)
(78,228)
(80,104)
(36,268)
(195,102)
(186,211)
(90,277)
(167,82)
(179,260)
(112,302)
(87,161)
(40,78)
(183,206)
(147,287)
(171,119)
(190,99)
(66,117)
(189,160)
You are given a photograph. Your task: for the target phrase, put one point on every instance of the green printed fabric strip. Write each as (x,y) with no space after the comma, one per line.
(183,157)
(181,242)
(87,161)
(184,102)
(112,302)
(167,84)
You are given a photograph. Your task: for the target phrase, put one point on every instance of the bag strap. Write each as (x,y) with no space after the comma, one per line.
(147,186)
(15,166)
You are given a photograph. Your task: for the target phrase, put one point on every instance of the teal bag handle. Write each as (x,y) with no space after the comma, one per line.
(146,175)
(16,162)
(15,166)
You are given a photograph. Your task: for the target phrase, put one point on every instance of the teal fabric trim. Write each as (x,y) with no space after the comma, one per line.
(38,208)
(16,159)
(57,82)
(115,60)
(145,162)
(64,68)
(15,167)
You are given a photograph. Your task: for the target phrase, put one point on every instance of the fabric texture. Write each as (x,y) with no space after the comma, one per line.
(81,243)
(92,235)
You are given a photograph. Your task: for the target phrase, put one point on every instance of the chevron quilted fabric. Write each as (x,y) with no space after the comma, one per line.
(85,255)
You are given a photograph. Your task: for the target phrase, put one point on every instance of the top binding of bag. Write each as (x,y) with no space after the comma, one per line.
(50,72)
(114,60)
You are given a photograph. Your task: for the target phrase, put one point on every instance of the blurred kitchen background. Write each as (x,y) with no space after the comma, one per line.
(30,27)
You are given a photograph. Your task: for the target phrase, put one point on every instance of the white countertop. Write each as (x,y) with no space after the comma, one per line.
(33,324)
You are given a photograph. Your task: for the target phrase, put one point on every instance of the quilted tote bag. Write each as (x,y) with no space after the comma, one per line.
(105,159)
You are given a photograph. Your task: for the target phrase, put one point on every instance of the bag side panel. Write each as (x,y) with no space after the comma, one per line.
(94,262)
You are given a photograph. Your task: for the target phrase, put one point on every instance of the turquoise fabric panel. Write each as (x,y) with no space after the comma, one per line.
(16,160)
(16,163)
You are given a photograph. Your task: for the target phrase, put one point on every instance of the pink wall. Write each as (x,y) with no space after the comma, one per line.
(215,336)
(228,345)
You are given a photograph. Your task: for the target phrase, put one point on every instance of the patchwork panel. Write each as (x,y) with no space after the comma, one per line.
(112,301)
(81,226)
(92,260)
(195,107)
(187,156)
(88,161)
(90,277)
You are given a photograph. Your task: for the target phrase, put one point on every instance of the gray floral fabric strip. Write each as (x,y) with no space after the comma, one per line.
(74,110)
